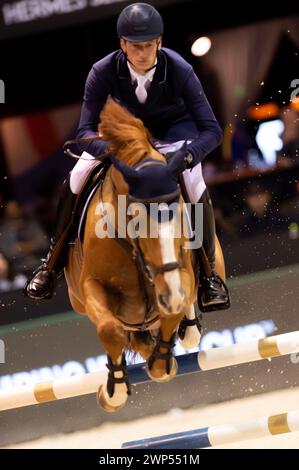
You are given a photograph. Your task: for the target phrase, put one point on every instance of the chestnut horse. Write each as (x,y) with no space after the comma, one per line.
(135,289)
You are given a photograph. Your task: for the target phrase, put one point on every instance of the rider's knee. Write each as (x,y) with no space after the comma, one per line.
(80,172)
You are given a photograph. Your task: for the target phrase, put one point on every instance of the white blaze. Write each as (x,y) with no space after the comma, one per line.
(172,278)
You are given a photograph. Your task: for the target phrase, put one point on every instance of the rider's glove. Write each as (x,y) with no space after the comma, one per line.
(187,159)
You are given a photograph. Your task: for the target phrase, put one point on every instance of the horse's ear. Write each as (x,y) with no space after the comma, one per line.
(177,163)
(128,172)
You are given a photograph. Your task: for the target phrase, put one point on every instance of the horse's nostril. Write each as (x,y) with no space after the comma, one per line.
(163,299)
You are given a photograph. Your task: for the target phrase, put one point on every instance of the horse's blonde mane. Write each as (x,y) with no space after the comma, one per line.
(126,134)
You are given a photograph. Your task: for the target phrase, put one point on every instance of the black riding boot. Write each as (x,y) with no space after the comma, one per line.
(41,285)
(214,294)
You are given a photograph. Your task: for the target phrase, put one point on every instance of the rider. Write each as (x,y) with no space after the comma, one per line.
(157,85)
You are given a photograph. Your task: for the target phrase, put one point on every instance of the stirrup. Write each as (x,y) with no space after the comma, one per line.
(218,306)
(38,298)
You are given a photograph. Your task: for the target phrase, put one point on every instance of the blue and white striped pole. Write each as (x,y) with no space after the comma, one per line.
(224,434)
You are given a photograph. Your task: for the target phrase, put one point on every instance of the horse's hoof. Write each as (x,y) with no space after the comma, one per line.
(102,401)
(165,377)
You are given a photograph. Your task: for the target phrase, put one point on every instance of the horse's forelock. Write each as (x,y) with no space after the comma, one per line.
(123,130)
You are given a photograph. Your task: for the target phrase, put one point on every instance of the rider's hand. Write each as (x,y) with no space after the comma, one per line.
(188,159)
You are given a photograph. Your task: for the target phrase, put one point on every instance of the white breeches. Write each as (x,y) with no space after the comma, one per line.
(80,172)
(193,179)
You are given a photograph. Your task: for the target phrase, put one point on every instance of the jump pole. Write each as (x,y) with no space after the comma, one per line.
(211,359)
(224,434)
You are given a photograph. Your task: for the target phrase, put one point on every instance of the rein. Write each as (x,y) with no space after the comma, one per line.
(68,152)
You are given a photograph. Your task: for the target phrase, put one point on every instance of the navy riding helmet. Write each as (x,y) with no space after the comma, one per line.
(139,22)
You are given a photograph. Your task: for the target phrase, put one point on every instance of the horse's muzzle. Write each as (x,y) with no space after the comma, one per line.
(172,303)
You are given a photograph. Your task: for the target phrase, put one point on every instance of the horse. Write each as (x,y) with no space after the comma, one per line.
(134,289)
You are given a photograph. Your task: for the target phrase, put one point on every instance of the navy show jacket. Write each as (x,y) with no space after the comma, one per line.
(176,107)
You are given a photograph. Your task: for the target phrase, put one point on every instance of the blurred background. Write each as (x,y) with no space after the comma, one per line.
(248,63)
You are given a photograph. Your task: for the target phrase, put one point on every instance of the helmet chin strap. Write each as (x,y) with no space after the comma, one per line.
(153,67)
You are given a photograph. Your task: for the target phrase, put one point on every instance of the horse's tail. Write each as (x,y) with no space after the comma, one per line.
(122,129)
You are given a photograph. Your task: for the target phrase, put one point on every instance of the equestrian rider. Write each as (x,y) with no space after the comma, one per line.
(158,86)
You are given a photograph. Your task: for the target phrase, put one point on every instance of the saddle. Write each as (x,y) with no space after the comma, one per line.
(91,184)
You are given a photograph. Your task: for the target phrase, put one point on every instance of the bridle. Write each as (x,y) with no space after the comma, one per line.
(149,269)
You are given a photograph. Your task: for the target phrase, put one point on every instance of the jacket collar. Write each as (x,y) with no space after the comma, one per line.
(160,76)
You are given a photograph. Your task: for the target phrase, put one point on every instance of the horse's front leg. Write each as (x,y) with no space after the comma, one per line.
(99,307)
(162,365)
